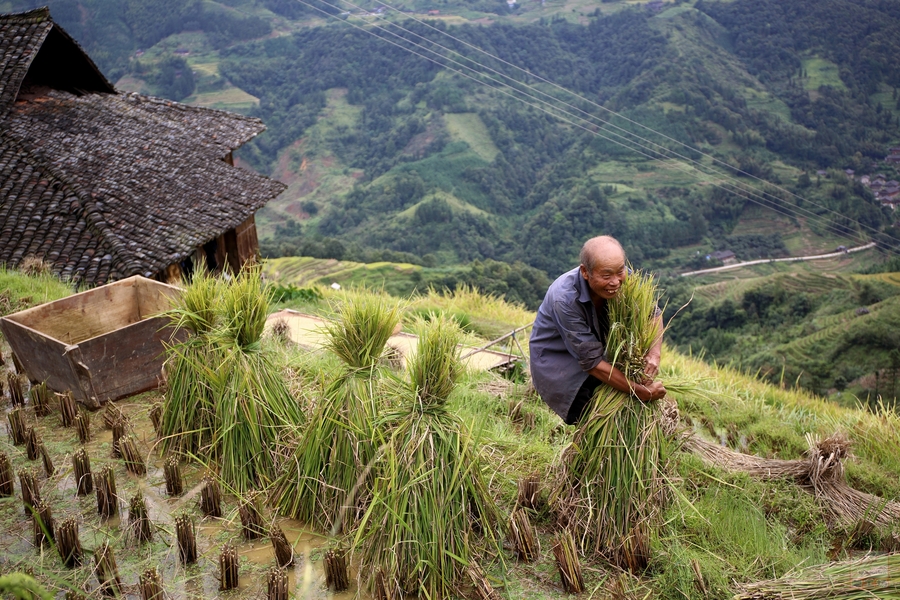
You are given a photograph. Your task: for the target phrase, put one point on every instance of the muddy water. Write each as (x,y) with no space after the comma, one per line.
(17,551)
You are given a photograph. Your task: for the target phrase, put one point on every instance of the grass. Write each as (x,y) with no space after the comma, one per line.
(469,128)
(718,531)
(18,292)
(821,72)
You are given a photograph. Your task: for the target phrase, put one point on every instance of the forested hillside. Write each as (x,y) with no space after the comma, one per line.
(389,154)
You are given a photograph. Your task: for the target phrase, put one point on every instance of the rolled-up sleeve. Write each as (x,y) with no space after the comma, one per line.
(577,336)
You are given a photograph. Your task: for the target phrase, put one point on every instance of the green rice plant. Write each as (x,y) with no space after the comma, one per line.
(608,484)
(325,481)
(196,308)
(226,401)
(633,330)
(244,306)
(361,328)
(430,512)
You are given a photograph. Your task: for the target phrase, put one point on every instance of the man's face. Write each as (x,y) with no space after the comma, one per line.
(607,276)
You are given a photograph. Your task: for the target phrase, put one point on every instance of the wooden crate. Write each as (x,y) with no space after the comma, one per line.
(101,344)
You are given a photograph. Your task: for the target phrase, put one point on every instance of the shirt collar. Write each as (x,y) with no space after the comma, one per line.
(581,284)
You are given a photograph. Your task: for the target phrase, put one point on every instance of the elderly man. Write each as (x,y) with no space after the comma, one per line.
(568,341)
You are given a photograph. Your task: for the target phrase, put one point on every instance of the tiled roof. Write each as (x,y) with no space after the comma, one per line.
(108,185)
(21,36)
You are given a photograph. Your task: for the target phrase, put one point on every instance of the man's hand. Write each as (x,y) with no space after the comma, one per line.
(651,365)
(649,392)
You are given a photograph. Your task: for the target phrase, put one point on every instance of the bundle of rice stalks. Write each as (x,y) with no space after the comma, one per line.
(211,497)
(252,522)
(68,544)
(529,488)
(7,483)
(284,551)
(869,577)
(134,461)
(119,427)
(31,493)
(567,562)
(33,443)
(16,389)
(228,567)
(156,416)
(139,520)
(226,401)
(47,461)
(277,584)
(40,399)
(67,409)
(523,536)
(187,539)
(430,511)
(107,572)
(111,414)
(172,473)
(483,588)
(337,577)
(608,484)
(18,428)
(43,524)
(151,585)
(325,481)
(107,500)
(84,480)
(820,472)
(83,427)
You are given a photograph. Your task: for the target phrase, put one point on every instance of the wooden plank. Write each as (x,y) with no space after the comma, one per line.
(247,241)
(154,297)
(42,357)
(85,392)
(85,315)
(126,361)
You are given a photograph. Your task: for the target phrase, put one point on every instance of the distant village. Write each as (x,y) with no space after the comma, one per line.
(886,191)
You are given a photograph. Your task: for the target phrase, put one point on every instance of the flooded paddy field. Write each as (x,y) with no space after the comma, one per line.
(19,553)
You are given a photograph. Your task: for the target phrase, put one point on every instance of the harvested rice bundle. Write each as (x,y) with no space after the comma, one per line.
(608,483)
(226,400)
(430,511)
(869,577)
(325,482)
(186,422)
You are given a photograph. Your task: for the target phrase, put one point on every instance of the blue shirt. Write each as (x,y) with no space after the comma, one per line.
(567,340)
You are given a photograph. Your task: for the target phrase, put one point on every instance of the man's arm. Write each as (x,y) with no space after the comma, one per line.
(651,361)
(612,376)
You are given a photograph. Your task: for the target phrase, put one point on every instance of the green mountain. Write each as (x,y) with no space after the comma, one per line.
(838,335)
(386,152)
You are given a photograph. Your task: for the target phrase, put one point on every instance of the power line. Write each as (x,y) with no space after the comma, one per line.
(736,187)
(611,112)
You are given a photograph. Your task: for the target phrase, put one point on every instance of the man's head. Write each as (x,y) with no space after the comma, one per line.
(603,266)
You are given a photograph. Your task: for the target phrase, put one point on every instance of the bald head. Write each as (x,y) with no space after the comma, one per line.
(601,249)
(603,266)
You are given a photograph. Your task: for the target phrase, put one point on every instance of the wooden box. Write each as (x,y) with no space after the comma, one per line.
(101,344)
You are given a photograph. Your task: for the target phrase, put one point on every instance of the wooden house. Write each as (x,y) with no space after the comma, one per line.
(101,184)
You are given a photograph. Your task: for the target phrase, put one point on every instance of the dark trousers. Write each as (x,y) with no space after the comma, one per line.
(582,399)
